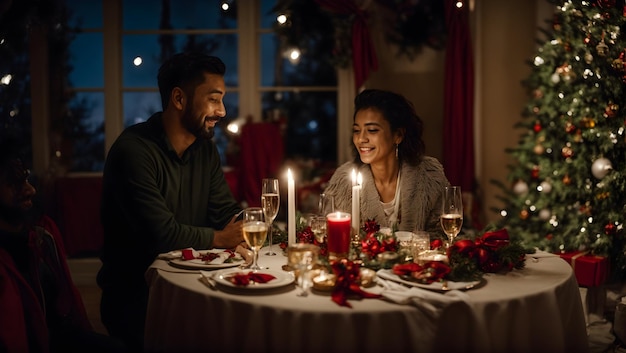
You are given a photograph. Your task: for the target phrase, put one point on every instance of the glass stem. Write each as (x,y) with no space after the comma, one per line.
(256,260)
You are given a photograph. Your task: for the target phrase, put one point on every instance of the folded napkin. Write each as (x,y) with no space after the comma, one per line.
(428,301)
(244,279)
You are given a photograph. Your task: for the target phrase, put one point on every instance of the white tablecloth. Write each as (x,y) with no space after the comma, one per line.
(537,309)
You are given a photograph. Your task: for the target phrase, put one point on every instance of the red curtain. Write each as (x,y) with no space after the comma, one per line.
(261,155)
(364,58)
(458,125)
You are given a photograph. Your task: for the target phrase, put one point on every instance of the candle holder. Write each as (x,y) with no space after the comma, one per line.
(339,232)
(355,246)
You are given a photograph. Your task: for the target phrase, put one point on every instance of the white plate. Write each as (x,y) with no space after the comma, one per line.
(282,279)
(436,286)
(199,264)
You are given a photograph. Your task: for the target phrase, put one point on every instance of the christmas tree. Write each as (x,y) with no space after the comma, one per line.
(567,188)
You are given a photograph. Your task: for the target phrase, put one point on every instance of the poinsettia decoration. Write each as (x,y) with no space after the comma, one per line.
(375,241)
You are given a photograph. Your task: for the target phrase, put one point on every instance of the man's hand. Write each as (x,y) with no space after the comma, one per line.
(230,236)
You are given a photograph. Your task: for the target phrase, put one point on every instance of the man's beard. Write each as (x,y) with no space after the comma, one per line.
(198,131)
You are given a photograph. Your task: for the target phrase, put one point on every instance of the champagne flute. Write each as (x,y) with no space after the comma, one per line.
(451,212)
(254,232)
(301,257)
(270,202)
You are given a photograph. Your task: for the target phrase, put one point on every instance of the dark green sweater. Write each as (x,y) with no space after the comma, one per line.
(154,202)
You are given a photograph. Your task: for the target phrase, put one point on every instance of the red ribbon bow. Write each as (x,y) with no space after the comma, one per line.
(483,249)
(347,278)
(244,279)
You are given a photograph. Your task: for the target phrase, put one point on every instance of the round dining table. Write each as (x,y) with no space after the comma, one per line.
(534,309)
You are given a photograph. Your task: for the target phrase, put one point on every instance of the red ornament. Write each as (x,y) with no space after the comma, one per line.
(534,173)
(606,3)
(537,127)
(610,229)
(569,127)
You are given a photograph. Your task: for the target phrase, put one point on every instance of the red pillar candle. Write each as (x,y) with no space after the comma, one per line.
(338,226)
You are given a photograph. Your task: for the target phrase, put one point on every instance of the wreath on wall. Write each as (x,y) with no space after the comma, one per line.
(411,25)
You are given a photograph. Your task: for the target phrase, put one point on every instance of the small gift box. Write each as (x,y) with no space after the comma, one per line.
(590,270)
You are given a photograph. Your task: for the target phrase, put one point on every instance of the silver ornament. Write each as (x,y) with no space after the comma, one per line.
(601,167)
(520,188)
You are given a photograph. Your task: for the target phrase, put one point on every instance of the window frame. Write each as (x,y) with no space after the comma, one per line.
(249,89)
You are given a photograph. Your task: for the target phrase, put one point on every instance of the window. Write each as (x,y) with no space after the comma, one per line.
(114,65)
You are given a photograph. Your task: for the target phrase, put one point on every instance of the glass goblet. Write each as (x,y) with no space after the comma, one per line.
(318,227)
(326,204)
(254,232)
(301,257)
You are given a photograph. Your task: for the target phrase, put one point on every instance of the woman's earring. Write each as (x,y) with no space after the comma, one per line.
(397,151)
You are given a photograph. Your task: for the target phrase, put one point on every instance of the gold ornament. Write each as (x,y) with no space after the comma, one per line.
(603,195)
(567,152)
(602,48)
(578,138)
(588,122)
(539,149)
(567,180)
(523,214)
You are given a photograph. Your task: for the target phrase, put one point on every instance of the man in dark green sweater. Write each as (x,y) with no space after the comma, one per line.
(163,189)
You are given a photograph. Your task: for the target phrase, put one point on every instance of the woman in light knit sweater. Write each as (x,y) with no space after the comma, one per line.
(401,186)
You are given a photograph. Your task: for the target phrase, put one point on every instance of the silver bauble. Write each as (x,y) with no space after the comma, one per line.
(601,167)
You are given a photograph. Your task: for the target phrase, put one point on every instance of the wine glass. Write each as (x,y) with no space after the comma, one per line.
(254,232)
(326,204)
(270,202)
(451,212)
(301,257)
(318,227)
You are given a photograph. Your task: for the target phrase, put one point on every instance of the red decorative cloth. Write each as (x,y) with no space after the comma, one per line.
(244,279)
(347,282)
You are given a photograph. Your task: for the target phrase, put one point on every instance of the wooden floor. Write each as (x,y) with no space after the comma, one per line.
(599,324)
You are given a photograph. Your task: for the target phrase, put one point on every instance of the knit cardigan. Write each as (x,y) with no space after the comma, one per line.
(421,188)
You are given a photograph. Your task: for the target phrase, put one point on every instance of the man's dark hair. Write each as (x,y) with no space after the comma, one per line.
(186,70)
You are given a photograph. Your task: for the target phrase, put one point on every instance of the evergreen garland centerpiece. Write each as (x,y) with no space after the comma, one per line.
(467,259)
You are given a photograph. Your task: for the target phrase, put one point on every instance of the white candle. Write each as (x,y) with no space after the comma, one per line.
(356,200)
(291,209)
